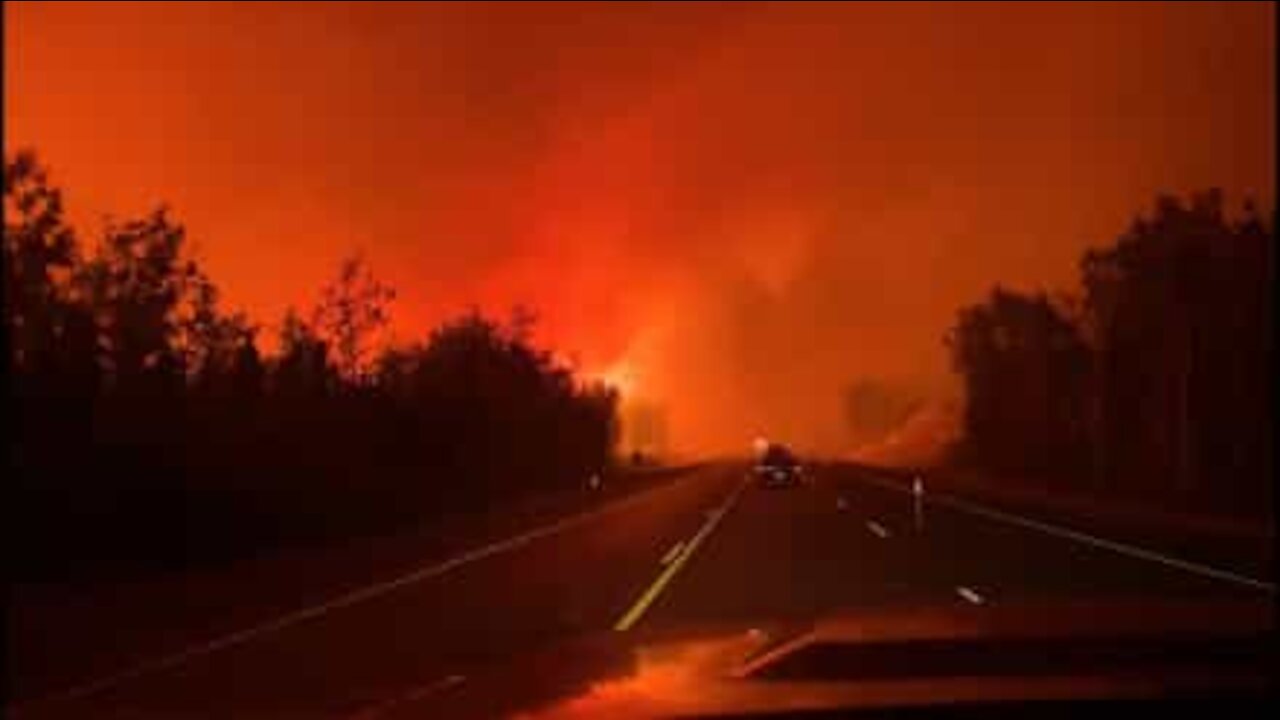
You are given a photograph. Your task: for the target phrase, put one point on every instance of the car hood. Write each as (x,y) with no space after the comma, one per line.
(883,658)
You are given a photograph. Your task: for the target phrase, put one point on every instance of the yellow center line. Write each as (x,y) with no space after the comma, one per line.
(673,553)
(633,615)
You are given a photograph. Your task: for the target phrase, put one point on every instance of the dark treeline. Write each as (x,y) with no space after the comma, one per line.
(1156,383)
(147,429)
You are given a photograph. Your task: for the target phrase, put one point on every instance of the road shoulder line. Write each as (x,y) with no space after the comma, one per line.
(423,691)
(344,600)
(1077,536)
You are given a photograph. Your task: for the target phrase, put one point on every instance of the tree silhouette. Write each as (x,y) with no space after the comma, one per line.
(151,430)
(352,308)
(1159,377)
(135,284)
(1181,310)
(303,368)
(40,251)
(1025,371)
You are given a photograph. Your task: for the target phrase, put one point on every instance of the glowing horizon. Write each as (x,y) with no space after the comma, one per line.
(751,206)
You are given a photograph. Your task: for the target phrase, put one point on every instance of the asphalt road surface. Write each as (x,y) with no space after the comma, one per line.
(708,551)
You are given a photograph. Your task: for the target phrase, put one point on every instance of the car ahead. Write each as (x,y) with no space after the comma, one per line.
(778,467)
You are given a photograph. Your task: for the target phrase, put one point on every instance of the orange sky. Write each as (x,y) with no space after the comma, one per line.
(748,205)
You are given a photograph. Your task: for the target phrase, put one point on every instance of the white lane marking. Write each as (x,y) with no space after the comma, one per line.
(969,594)
(348,599)
(1112,545)
(646,599)
(673,552)
(1069,534)
(413,695)
(880,531)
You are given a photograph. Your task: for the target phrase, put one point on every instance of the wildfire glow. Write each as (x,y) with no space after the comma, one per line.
(620,376)
(750,249)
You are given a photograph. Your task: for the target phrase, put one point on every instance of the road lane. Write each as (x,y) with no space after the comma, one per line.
(848,543)
(1035,558)
(791,553)
(783,558)
(58,635)
(722,554)
(673,563)
(1239,547)
(358,654)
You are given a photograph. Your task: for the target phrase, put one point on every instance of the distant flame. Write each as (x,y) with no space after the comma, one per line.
(620,376)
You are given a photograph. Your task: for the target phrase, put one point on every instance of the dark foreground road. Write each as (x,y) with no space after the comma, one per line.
(707,552)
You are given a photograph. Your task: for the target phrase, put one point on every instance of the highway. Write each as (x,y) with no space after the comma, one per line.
(703,552)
